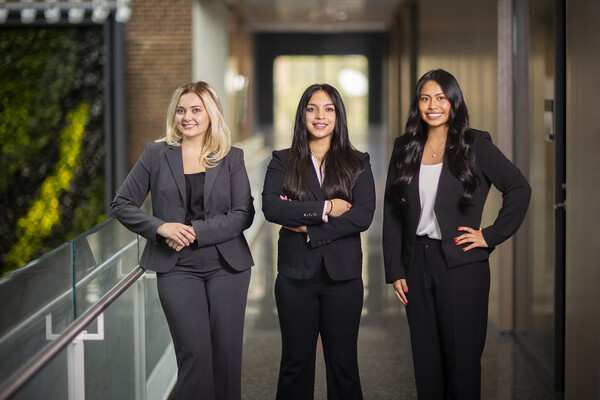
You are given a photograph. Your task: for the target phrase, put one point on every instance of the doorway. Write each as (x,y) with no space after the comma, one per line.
(539,301)
(293,74)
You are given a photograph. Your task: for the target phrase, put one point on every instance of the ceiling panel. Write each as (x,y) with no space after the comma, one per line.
(315,15)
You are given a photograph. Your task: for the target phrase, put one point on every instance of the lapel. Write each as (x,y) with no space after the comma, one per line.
(175,161)
(412,196)
(313,183)
(444,184)
(210,178)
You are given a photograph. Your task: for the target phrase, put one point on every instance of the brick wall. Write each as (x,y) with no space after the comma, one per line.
(158,46)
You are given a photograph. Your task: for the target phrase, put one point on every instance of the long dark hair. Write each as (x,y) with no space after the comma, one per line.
(342,163)
(458,144)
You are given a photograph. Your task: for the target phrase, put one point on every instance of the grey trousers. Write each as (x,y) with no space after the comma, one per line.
(205,312)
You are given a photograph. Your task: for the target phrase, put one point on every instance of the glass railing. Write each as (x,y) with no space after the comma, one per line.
(126,353)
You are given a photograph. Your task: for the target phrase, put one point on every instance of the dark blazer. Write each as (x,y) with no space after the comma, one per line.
(337,242)
(228,206)
(400,222)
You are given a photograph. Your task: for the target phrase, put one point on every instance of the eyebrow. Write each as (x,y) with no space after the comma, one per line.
(199,105)
(327,104)
(437,94)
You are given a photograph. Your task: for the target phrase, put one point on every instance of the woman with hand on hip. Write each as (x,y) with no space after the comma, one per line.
(201,204)
(435,250)
(321,192)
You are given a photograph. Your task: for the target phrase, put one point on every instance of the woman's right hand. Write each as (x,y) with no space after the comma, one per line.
(401,288)
(178,235)
(339,207)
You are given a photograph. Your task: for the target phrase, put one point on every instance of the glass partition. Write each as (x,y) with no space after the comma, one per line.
(103,256)
(51,383)
(34,299)
(124,353)
(535,241)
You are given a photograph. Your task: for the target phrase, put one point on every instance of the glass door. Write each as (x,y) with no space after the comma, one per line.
(535,271)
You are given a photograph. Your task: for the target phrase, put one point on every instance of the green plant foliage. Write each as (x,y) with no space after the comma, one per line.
(52,81)
(43,212)
(38,69)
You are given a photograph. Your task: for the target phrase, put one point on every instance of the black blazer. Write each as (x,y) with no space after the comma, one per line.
(228,206)
(400,222)
(337,242)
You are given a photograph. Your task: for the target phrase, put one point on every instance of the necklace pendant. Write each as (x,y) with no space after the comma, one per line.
(432,154)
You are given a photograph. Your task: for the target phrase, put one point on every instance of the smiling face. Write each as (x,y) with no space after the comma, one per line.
(434,107)
(320,116)
(191,116)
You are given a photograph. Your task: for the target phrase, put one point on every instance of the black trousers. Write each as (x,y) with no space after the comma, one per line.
(205,312)
(307,307)
(447,315)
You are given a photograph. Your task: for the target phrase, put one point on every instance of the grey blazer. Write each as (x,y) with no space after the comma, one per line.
(228,205)
(400,222)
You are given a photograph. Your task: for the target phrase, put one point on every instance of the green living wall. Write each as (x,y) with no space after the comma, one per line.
(51,113)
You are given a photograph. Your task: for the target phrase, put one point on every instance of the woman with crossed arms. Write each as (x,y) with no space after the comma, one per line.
(321,192)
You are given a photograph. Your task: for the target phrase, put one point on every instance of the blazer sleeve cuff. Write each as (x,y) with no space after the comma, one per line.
(397,273)
(492,238)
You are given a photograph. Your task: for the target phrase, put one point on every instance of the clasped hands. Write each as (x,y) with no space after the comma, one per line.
(177,235)
(335,208)
(473,236)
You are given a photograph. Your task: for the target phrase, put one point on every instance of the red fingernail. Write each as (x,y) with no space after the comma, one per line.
(464,249)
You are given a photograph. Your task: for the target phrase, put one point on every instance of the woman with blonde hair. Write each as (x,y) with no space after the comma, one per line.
(201,204)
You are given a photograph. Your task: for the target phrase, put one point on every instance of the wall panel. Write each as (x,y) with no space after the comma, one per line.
(461,37)
(582,361)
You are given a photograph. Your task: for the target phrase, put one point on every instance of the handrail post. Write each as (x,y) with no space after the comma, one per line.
(139,331)
(76,369)
(76,356)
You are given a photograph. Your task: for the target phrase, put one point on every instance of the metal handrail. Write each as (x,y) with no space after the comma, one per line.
(21,377)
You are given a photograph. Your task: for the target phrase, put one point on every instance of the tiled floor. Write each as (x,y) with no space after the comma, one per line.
(385,358)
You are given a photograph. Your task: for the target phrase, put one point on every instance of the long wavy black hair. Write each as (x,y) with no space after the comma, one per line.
(342,162)
(409,150)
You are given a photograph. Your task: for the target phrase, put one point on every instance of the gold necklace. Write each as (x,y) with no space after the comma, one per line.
(432,150)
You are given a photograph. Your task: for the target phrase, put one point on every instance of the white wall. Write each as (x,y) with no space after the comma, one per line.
(210,45)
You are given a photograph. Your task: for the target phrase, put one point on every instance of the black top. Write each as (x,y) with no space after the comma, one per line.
(194,192)
(200,258)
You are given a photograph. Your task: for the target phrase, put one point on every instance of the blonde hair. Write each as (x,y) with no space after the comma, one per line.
(218,137)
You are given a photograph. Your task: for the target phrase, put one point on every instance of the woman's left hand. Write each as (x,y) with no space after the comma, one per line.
(174,245)
(473,236)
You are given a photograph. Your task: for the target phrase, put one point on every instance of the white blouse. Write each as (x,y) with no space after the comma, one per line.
(429,177)
(320,176)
